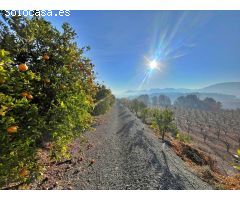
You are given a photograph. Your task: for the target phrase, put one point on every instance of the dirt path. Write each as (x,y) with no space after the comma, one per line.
(128,156)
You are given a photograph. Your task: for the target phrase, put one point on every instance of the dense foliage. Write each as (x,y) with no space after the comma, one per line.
(192,101)
(161,101)
(160,120)
(163,121)
(47,93)
(144,99)
(136,106)
(104,100)
(189,101)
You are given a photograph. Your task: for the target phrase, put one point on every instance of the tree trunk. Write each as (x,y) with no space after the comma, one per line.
(163,134)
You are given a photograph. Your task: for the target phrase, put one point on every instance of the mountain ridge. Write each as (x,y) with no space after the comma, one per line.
(228,93)
(228,88)
(231,88)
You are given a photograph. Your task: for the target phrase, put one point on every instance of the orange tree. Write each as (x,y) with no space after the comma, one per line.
(163,121)
(47,92)
(104,99)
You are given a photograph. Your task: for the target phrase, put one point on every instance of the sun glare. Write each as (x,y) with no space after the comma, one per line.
(153,64)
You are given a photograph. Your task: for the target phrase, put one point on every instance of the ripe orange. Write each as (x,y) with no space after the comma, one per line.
(29,97)
(45,57)
(12,129)
(22,67)
(24,94)
(24,172)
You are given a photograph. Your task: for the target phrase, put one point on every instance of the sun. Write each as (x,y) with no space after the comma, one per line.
(153,64)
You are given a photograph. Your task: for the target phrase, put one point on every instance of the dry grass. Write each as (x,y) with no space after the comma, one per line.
(204,166)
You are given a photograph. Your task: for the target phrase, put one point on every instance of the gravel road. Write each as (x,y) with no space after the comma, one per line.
(129,156)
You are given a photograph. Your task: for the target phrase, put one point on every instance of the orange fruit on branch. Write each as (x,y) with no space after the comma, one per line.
(24,94)
(29,97)
(12,129)
(22,67)
(45,57)
(24,172)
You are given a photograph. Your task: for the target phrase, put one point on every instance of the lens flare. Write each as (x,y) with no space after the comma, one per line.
(153,64)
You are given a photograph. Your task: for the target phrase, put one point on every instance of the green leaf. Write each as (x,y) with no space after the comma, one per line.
(237,167)
(238,152)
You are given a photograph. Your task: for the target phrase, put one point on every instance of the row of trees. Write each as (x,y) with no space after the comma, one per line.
(192,101)
(48,94)
(218,130)
(209,118)
(188,101)
(161,120)
(219,127)
(156,101)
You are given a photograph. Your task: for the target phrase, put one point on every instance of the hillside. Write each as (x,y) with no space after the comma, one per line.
(230,88)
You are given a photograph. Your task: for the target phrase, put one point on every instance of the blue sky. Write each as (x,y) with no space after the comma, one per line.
(193,48)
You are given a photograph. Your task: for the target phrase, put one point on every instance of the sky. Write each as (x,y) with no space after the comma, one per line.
(192,49)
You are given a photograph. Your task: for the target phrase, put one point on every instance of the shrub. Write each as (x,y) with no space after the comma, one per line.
(183,137)
(137,106)
(163,121)
(145,113)
(104,100)
(237,166)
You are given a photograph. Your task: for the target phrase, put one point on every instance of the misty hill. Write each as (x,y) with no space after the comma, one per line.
(226,93)
(230,88)
(158,90)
